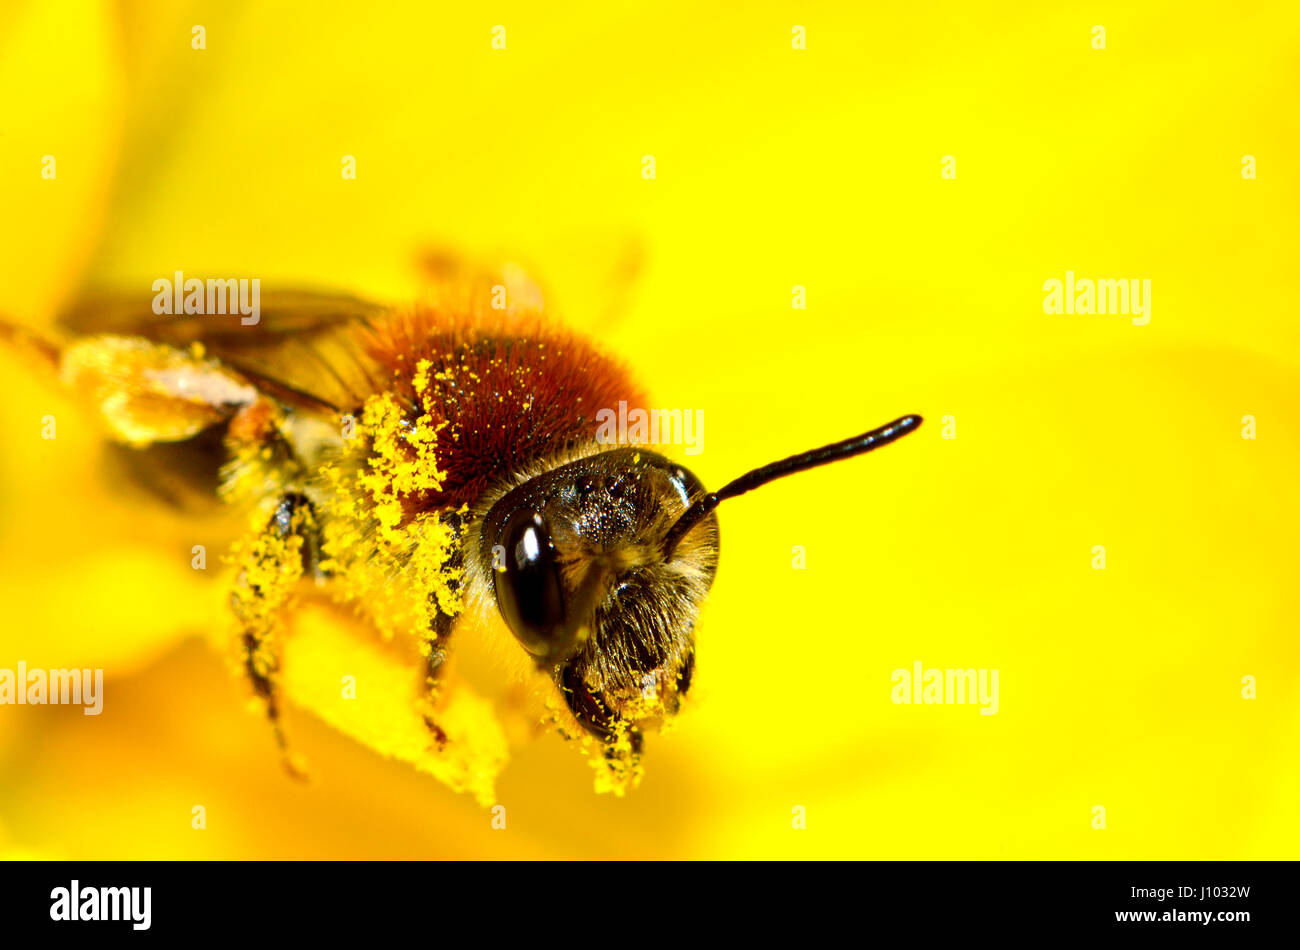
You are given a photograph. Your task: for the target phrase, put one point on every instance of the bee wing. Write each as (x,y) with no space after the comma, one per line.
(303,350)
(596,272)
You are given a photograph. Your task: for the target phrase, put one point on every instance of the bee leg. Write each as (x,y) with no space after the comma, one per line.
(437,643)
(270,564)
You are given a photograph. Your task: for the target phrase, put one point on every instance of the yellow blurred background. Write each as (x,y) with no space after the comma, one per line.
(775,167)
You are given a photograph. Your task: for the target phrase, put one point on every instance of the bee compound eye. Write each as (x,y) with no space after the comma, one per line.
(529,594)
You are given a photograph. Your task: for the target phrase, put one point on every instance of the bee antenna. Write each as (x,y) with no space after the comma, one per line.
(795,463)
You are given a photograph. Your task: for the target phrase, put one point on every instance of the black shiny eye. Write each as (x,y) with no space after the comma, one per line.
(529,594)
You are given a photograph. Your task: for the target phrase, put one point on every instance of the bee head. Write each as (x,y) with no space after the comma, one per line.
(583,578)
(599,568)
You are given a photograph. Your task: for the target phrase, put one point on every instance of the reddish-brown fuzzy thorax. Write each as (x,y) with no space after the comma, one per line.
(512,390)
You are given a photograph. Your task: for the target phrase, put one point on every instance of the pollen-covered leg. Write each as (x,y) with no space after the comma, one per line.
(434,660)
(436,644)
(270,564)
(147,392)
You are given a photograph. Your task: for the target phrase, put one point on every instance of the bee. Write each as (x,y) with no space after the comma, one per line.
(426,463)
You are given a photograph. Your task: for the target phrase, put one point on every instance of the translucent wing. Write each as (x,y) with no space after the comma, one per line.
(304,349)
